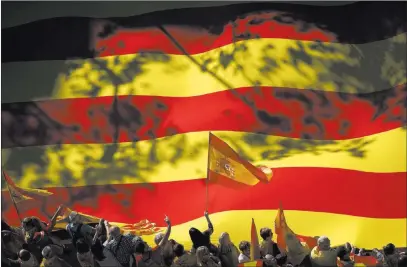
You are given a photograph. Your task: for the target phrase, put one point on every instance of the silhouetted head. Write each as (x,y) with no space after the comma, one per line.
(343,253)
(172,242)
(266,233)
(114,231)
(198,238)
(224,239)
(178,250)
(47,253)
(389,249)
(24,255)
(28,223)
(348,247)
(82,247)
(140,247)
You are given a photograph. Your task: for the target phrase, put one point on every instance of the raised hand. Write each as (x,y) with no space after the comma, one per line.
(167,220)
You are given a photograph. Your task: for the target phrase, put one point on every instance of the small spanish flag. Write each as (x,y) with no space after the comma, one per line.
(224,162)
(19,194)
(254,240)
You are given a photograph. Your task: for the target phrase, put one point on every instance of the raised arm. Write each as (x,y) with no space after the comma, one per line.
(107,226)
(167,234)
(210,225)
(98,232)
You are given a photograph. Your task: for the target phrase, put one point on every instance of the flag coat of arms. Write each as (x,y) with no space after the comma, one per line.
(225,162)
(112,116)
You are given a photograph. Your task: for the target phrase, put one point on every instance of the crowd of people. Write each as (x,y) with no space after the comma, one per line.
(34,244)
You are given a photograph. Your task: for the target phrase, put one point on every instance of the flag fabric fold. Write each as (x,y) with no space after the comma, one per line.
(21,197)
(20,194)
(297,248)
(254,241)
(362,261)
(224,162)
(275,87)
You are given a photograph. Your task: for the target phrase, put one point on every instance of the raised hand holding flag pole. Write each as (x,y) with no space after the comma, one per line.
(207,175)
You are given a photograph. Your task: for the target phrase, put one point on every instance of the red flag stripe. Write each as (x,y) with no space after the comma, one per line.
(196,40)
(279,111)
(373,193)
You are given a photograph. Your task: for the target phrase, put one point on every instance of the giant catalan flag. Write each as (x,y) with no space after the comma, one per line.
(112,116)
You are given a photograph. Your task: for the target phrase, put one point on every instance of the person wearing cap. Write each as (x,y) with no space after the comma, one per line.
(52,259)
(323,255)
(77,229)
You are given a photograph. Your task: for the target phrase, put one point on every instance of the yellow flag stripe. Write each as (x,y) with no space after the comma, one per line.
(380,153)
(266,62)
(339,228)
(176,75)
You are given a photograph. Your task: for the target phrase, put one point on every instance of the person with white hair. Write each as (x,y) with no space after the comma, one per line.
(297,251)
(228,252)
(122,246)
(323,255)
(162,253)
(78,230)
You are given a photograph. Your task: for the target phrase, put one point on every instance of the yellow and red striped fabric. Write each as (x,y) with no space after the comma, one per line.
(124,134)
(257,263)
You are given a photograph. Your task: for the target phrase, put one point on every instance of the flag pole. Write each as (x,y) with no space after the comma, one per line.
(207,173)
(15,205)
